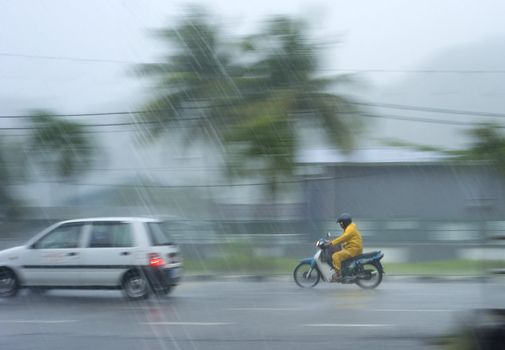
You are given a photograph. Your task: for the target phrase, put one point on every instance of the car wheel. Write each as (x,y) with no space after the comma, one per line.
(9,285)
(166,291)
(135,286)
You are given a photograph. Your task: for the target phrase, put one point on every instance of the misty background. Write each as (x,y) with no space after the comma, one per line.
(249,127)
(423,143)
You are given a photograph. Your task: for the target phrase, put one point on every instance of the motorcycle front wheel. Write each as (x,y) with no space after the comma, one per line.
(370,276)
(303,278)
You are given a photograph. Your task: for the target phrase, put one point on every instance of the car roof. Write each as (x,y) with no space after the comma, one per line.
(123,219)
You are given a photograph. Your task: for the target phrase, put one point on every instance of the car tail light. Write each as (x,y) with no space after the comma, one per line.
(155,260)
(172,258)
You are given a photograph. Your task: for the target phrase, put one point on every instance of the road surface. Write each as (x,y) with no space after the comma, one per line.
(237,314)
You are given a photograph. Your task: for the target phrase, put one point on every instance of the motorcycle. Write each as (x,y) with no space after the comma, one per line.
(364,270)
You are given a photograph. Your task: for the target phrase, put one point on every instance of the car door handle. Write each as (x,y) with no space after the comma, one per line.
(72,254)
(125,253)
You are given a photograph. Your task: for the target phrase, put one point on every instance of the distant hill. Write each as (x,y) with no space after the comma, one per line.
(474,91)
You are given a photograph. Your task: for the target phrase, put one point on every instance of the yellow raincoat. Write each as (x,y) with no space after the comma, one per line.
(352,245)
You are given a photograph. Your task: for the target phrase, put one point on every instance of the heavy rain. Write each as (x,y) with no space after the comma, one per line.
(268,175)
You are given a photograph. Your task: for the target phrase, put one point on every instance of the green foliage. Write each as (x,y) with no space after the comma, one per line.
(60,144)
(12,171)
(488,144)
(444,267)
(5,195)
(282,94)
(285,70)
(252,97)
(459,341)
(413,146)
(240,258)
(263,145)
(195,83)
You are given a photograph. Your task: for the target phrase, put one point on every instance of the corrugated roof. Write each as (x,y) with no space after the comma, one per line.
(373,156)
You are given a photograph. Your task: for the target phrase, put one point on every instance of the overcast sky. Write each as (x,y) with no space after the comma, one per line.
(390,35)
(101,40)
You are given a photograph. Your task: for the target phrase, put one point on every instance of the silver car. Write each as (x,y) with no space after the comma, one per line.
(133,254)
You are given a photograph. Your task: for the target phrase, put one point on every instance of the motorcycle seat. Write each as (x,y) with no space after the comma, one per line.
(366,256)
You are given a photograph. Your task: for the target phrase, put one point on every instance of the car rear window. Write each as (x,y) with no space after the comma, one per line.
(158,233)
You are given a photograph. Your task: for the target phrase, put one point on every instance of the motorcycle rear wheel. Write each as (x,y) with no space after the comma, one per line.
(371,276)
(301,275)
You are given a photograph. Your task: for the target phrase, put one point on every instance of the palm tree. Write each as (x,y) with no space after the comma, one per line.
(283,94)
(252,109)
(263,145)
(195,92)
(6,197)
(195,83)
(61,146)
(488,144)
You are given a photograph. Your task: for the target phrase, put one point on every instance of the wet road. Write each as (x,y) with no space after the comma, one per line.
(245,315)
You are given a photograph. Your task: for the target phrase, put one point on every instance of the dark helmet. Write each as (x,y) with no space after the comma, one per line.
(344,219)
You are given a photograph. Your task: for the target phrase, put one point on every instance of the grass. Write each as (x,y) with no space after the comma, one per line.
(242,265)
(443,267)
(249,264)
(240,258)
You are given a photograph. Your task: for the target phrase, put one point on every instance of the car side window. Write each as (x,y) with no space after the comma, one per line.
(66,236)
(110,235)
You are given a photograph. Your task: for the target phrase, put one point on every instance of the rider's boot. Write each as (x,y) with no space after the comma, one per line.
(335,277)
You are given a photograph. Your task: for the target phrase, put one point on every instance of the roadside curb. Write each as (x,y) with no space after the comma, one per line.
(284,278)
(224,278)
(452,278)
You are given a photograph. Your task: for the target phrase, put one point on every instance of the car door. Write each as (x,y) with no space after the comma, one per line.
(56,258)
(109,252)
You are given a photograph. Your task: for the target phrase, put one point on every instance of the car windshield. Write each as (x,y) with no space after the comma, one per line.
(158,232)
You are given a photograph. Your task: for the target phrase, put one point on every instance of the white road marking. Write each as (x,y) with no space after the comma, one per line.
(265,309)
(38,321)
(187,323)
(346,325)
(412,310)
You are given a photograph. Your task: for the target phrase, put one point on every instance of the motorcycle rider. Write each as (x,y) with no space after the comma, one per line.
(352,244)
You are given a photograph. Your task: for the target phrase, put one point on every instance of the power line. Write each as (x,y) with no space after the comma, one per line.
(68,58)
(164,186)
(418,120)
(97,114)
(88,114)
(423,71)
(82,132)
(160,122)
(366,104)
(357,70)
(430,109)
(206,186)
(363,115)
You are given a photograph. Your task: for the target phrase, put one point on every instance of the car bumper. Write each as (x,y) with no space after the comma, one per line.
(163,278)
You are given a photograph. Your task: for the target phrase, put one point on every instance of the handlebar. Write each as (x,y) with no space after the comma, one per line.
(323,243)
